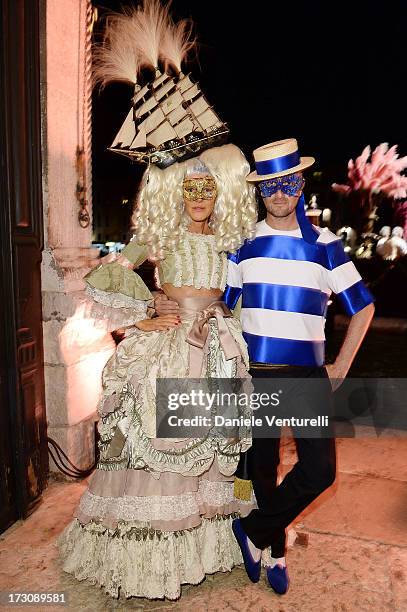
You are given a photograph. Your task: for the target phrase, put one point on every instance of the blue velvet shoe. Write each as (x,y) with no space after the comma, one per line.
(253,568)
(278,579)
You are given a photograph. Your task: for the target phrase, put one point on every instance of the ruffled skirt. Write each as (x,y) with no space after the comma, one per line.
(157,513)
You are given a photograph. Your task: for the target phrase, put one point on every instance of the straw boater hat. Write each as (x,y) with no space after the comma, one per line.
(278,159)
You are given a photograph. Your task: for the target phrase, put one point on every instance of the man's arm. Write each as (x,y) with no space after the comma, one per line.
(357,329)
(164,306)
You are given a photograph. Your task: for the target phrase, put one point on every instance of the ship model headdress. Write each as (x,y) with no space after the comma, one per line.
(170,119)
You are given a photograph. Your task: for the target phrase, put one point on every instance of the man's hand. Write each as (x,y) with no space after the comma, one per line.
(163,306)
(337,375)
(161,323)
(357,329)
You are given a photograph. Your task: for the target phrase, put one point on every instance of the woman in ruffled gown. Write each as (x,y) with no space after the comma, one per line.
(158,512)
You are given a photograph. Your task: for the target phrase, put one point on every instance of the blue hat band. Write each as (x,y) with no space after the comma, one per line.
(279,164)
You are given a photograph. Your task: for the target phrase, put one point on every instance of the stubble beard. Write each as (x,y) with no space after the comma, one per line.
(278,211)
(280,215)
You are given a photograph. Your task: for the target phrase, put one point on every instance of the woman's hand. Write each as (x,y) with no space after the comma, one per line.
(162,323)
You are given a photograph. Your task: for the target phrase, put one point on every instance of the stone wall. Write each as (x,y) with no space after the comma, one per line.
(75,350)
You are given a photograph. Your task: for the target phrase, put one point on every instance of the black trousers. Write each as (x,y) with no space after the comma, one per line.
(315,470)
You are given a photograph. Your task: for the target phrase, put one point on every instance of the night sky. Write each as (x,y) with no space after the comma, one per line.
(331,74)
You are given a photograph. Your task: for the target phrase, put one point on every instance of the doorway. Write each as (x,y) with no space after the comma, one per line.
(23,446)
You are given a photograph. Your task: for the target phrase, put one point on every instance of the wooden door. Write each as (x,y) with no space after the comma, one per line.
(23,446)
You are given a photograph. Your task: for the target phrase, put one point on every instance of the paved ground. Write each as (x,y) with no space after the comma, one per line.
(356,558)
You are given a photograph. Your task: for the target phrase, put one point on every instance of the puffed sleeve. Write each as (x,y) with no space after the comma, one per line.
(114,292)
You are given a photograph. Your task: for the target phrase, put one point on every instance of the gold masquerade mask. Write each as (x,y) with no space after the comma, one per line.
(199,188)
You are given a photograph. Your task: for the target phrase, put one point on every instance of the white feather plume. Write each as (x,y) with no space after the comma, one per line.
(118,58)
(176,43)
(153,22)
(137,39)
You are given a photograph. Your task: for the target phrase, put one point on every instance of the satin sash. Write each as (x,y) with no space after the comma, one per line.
(197,338)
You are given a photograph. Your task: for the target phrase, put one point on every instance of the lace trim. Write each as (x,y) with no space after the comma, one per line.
(143,562)
(235,329)
(105,316)
(117,300)
(216,493)
(216,364)
(208,263)
(196,262)
(224,270)
(157,277)
(157,507)
(189,272)
(178,268)
(139,530)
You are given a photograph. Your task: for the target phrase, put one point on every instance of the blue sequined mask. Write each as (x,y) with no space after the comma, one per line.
(291,185)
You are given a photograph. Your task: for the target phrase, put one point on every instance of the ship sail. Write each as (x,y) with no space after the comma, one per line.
(147,88)
(127,132)
(191,93)
(163,133)
(140,140)
(177,115)
(164,90)
(209,120)
(184,128)
(168,115)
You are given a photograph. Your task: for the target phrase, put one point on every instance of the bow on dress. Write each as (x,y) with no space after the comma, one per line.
(198,336)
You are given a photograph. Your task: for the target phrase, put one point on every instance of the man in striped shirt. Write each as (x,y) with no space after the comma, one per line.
(284,284)
(282,279)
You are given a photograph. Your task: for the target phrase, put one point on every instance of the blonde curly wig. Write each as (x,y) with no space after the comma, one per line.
(159,219)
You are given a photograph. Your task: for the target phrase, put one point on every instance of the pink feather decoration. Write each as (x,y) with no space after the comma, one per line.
(381,174)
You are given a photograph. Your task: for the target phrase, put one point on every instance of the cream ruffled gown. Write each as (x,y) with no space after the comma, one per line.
(157,513)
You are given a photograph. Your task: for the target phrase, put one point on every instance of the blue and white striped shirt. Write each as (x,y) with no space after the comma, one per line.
(285,283)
